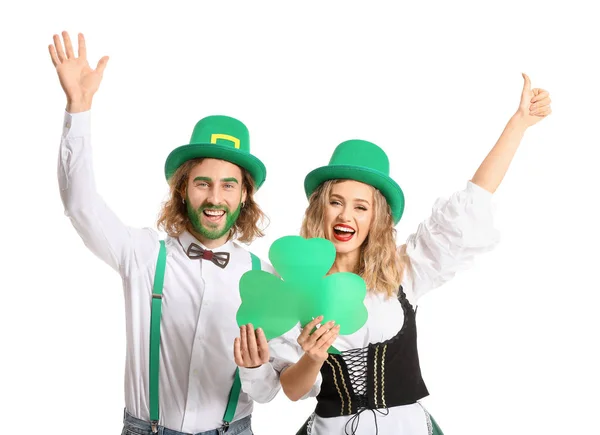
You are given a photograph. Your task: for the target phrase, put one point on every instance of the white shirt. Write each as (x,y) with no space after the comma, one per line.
(199,304)
(459,228)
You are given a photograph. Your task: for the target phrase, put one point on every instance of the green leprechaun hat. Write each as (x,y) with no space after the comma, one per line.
(362,161)
(219,137)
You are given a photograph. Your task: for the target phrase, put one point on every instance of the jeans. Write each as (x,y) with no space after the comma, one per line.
(134,426)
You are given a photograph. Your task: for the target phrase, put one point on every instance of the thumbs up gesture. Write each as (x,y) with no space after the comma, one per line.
(534,105)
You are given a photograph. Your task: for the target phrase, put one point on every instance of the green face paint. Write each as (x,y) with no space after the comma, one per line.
(212,231)
(230,180)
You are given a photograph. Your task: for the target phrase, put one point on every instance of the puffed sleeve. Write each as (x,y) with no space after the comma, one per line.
(459,228)
(262,384)
(286,351)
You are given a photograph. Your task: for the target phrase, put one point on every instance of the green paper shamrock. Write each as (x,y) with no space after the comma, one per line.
(303,292)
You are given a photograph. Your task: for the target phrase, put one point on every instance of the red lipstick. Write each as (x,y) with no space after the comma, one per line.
(343,233)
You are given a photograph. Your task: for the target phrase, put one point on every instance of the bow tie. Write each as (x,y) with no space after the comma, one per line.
(195,252)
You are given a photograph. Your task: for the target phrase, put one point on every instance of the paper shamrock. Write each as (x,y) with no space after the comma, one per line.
(303,292)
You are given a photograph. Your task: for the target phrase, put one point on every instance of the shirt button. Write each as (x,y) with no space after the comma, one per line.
(68,124)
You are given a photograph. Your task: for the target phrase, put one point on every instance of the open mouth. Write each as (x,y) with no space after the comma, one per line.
(343,233)
(213,215)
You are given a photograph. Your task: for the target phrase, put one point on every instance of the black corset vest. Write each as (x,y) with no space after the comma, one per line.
(381,375)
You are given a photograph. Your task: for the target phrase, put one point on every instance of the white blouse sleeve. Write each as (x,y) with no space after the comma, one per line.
(459,228)
(286,352)
(262,384)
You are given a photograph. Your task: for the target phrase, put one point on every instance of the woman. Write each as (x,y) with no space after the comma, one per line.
(355,204)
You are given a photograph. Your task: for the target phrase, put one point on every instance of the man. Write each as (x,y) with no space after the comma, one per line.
(182,293)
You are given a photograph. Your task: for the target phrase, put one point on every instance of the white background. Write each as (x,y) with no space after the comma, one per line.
(510,345)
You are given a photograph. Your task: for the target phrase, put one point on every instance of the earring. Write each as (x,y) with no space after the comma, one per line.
(243,203)
(183,200)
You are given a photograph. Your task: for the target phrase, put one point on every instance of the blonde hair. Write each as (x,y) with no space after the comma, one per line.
(174,220)
(381,263)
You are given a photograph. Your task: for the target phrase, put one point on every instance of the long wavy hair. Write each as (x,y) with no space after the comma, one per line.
(174,220)
(381,263)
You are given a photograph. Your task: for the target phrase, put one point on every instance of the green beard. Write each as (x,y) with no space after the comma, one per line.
(212,232)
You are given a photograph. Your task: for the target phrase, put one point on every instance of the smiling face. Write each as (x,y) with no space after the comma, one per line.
(213,199)
(348,215)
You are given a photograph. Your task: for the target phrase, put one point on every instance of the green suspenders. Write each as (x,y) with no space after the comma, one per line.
(159,278)
(157,289)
